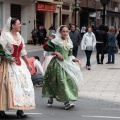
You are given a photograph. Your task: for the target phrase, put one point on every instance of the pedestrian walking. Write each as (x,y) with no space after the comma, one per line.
(118,39)
(63,77)
(44,31)
(16,87)
(40,35)
(34,35)
(76,39)
(83,31)
(111,39)
(88,44)
(101,41)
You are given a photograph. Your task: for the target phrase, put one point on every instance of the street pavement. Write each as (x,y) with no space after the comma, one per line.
(99,98)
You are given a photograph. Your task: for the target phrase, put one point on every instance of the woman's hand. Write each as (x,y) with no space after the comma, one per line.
(78,61)
(58,55)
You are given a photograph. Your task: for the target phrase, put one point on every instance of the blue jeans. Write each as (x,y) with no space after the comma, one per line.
(88,55)
(111,54)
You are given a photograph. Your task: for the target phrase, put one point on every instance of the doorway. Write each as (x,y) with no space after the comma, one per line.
(40,18)
(65,19)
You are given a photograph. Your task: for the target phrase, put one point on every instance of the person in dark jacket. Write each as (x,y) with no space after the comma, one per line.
(44,31)
(118,39)
(101,38)
(76,39)
(111,45)
(34,35)
(40,35)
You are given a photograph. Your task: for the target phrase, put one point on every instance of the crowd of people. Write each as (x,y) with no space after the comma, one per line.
(60,71)
(39,34)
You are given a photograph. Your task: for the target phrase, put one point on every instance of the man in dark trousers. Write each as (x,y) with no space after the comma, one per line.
(76,39)
(40,35)
(101,39)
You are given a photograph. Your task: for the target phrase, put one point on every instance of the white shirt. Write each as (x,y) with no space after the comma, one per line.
(83,29)
(38,67)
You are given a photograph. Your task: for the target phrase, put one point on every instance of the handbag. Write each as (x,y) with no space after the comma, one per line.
(90,48)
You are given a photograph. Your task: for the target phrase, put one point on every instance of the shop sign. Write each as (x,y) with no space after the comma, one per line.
(45,7)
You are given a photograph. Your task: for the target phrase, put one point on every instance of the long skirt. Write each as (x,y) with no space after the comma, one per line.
(16,89)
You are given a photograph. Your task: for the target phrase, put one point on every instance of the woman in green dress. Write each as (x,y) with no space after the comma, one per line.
(63,78)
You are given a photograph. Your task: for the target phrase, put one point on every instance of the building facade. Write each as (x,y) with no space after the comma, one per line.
(31,13)
(22,9)
(92,11)
(48,12)
(68,14)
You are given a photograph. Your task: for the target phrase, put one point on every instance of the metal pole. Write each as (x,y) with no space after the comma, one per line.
(75,11)
(60,16)
(104,9)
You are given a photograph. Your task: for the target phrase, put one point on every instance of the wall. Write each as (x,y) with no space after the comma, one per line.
(27,15)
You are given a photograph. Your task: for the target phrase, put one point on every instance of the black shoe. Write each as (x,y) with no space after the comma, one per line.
(98,63)
(112,62)
(108,63)
(3,115)
(21,114)
(101,62)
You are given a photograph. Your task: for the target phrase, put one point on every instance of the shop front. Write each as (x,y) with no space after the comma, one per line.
(46,14)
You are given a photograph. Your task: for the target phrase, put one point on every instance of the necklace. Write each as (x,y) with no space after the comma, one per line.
(15,37)
(65,42)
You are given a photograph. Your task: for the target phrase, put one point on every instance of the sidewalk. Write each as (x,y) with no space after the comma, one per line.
(101,88)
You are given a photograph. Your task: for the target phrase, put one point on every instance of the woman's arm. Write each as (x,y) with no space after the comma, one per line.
(58,55)
(78,61)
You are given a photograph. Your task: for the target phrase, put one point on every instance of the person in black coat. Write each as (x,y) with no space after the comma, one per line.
(40,35)
(101,39)
(118,39)
(44,31)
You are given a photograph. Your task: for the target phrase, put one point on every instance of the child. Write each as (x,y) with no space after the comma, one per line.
(63,76)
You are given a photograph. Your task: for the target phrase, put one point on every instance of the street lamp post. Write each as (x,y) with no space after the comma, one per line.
(104,3)
(75,11)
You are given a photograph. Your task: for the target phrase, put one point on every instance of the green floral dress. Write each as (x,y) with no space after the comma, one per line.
(57,82)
